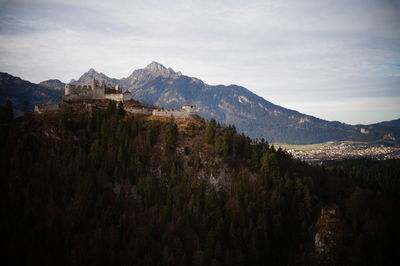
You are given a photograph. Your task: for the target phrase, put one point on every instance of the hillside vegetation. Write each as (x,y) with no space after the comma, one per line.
(107,188)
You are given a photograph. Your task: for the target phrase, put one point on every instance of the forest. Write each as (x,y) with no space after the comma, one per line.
(108,188)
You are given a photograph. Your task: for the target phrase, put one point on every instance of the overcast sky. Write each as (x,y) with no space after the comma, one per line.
(337,60)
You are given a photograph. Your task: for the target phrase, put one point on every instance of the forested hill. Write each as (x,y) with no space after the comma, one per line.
(113,189)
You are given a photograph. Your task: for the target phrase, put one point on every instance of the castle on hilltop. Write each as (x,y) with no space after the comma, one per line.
(96,91)
(80,96)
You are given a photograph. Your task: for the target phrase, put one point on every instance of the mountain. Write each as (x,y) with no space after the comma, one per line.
(53,84)
(153,71)
(251,114)
(392,123)
(88,77)
(18,90)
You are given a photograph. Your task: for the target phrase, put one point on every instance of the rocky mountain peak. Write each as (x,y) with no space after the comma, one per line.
(150,72)
(88,77)
(157,69)
(92,71)
(155,66)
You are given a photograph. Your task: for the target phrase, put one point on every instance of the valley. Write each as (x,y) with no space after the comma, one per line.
(341,150)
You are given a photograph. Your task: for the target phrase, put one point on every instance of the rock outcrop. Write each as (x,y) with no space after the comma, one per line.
(330,236)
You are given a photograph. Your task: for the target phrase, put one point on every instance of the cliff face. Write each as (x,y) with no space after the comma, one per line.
(330,237)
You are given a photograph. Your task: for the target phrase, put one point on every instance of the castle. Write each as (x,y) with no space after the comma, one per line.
(79,95)
(95,91)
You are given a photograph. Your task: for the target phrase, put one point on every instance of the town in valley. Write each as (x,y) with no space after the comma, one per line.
(341,150)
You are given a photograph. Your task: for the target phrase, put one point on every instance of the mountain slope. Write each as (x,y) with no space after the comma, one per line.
(18,90)
(236,105)
(53,84)
(251,114)
(392,123)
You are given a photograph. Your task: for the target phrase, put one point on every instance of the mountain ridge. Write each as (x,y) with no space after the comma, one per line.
(18,91)
(91,74)
(54,84)
(233,104)
(252,115)
(391,123)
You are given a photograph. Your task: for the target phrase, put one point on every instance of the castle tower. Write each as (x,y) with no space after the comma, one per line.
(68,89)
(98,90)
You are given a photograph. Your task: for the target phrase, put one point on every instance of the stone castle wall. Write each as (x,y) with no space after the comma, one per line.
(136,110)
(119,97)
(174,113)
(96,91)
(42,108)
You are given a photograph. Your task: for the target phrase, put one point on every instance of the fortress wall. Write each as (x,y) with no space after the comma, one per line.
(41,108)
(134,110)
(95,91)
(72,89)
(126,97)
(98,93)
(119,97)
(77,96)
(115,97)
(174,113)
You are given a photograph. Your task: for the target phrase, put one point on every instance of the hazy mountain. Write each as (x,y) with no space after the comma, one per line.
(53,84)
(18,90)
(392,123)
(88,77)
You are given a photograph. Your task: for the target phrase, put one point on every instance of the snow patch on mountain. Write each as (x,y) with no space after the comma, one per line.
(243,99)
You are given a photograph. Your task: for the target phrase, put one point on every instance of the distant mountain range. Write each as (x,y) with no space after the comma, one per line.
(18,90)
(251,114)
(88,77)
(392,123)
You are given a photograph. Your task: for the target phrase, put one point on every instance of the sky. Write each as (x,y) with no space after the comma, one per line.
(336,60)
